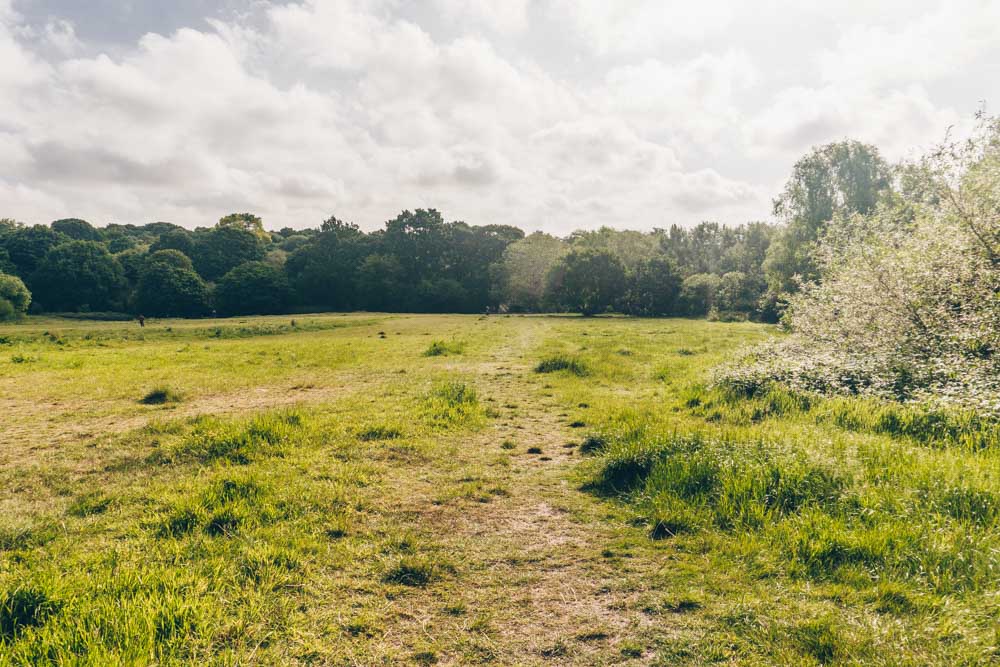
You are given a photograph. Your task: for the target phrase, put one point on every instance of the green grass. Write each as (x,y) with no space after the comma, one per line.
(328,493)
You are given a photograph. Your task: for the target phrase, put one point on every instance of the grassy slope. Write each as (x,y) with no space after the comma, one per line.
(346,492)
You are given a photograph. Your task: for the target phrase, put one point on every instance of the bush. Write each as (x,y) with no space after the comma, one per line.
(168,290)
(906,307)
(79,276)
(254,288)
(15,294)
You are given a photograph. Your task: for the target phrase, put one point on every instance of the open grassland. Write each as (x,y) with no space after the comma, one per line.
(379,490)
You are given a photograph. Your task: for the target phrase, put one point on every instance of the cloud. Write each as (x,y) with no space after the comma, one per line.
(509,16)
(550,114)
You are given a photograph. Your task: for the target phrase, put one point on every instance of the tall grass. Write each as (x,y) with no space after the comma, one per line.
(922,524)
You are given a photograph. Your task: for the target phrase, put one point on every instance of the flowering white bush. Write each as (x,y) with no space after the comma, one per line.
(908,305)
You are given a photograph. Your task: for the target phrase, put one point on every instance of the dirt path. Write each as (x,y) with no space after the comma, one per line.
(543,575)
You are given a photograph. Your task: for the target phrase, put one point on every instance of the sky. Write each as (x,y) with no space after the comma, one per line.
(546,114)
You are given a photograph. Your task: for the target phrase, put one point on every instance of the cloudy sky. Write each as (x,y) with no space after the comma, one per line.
(546,114)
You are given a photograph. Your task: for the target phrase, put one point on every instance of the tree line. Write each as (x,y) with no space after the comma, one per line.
(420,263)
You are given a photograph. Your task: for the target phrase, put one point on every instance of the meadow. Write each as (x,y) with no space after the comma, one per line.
(368,489)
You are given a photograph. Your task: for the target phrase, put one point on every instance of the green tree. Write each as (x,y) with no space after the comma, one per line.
(168,290)
(841,178)
(739,292)
(14,297)
(253,288)
(6,266)
(381,284)
(174,258)
(323,270)
(247,222)
(652,288)
(133,263)
(8,226)
(520,276)
(698,292)
(175,239)
(76,229)
(219,250)
(630,247)
(26,246)
(79,275)
(587,281)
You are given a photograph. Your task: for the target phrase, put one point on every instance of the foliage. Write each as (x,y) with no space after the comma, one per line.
(167,289)
(253,287)
(175,239)
(14,292)
(76,229)
(653,288)
(174,258)
(520,275)
(907,306)
(587,281)
(698,292)
(842,179)
(219,250)
(26,246)
(79,275)
(247,222)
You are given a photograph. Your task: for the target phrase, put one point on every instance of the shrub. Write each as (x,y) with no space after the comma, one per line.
(254,288)
(16,296)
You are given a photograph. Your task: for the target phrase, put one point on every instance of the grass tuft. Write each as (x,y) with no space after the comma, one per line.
(161,395)
(440,348)
(562,363)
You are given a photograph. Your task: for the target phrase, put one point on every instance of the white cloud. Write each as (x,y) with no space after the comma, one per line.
(551,114)
(508,16)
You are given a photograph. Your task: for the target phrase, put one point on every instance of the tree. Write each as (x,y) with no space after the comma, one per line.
(133,263)
(587,281)
(380,284)
(839,178)
(907,307)
(739,292)
(630,247)
(175,239)
(14,297)
(519,277)
(168,290)
(652,288)
(76,229)
(79,275)
(247,222)
(221,249)
(173,258)
(6,266)
(442,295)
(323,270)
(253,288)
(8,225)
(698,292)
(416,239)
(26,246)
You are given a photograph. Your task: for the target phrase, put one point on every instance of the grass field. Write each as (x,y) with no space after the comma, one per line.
(378,490)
